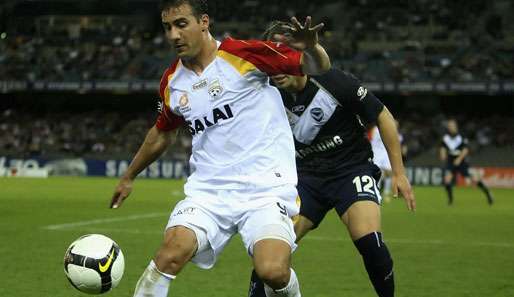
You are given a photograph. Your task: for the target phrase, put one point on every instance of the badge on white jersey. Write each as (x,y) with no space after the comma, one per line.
(183,104)
(200,85)
(215,89)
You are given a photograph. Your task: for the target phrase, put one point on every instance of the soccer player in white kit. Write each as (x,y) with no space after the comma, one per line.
(243,172)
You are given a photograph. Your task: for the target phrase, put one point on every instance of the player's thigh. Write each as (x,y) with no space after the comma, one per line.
(358,201)
(269,221)
(269,237)
(314,203)
(362,218)
(469,178)
(198,221)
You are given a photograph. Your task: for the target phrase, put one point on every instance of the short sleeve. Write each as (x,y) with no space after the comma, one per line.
(167,120)
(269,57)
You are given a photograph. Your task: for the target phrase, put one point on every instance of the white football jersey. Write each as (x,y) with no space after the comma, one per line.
(240,132)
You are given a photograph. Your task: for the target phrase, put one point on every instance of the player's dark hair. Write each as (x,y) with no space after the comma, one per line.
(276,27)
(198,7)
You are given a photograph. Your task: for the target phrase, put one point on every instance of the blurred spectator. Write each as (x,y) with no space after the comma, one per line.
(53,135)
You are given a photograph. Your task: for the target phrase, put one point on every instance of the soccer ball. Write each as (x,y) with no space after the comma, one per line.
(94,264)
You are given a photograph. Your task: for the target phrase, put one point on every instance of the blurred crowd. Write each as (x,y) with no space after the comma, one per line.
(379,40)
(96,135)
(102,54)
(427,40)
(110,135)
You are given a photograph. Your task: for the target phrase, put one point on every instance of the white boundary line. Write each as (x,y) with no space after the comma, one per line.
(101,221)
(79,226)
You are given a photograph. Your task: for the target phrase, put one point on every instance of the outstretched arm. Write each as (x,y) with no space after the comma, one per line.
(304,38)
(155,144)
(389,134)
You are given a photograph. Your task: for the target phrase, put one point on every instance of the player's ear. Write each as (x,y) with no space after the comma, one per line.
(204,22)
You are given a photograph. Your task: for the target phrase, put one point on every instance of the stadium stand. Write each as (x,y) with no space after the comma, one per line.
(379,41)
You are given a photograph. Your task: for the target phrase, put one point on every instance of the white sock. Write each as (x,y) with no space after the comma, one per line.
(153,283)
(291,290)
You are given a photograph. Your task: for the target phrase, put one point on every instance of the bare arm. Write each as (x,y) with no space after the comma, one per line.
(463,154)
(315,60)
(389,134)
(442,154)
(156,142)
(154,145)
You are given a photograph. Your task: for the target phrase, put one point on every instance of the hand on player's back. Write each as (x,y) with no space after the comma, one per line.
(121,192)
(300,37)
(401,184)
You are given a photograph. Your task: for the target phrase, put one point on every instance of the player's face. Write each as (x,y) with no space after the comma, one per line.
(452,127)
(284,81)
(184,30)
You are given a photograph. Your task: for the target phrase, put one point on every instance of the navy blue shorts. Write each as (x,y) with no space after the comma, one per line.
(320,194)
(463,169)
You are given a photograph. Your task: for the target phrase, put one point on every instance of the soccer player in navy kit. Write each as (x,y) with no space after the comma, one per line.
(328,114)
(454,152)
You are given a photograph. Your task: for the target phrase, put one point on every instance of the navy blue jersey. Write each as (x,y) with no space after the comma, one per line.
(454,144)
(328,119)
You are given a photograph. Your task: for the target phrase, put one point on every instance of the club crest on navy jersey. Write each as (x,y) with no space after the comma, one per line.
(317,114)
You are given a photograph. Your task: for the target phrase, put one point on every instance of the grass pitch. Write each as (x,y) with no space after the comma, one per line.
(466,250)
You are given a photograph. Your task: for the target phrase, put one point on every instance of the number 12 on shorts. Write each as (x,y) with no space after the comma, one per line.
(368,182)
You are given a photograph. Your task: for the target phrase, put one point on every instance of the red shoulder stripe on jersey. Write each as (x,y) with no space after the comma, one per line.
(269,57)
(167,120)
(165,78)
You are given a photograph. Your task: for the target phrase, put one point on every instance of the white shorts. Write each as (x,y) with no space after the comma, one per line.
(216,215)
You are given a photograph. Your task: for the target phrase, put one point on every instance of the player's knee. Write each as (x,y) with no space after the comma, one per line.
(170,261)
(177,249)
(274,273)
